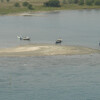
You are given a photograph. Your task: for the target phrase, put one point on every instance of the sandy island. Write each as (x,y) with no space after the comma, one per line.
(46,50)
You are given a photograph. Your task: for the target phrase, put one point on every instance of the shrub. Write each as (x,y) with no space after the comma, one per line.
(8,0)
(17,4)
(75,1)
(70,1)
(89,2)
(64,2)
(1,0)
(25,4)
(81,2)
(52,3)
(97,2)
(30,7)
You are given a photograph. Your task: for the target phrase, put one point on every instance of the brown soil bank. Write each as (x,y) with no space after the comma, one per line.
(46,50)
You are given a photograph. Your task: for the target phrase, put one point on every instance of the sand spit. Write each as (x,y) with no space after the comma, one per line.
(46,50)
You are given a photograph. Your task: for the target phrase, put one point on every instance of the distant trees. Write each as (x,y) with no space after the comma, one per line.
(30,7)
(52,3)
(81,2)
(25,4)
(86,2)
(17,4)
(75,1)
(7,0)
(97,2)
(89,2)
(56,3)
(70,1)
(64,1)
(1,0)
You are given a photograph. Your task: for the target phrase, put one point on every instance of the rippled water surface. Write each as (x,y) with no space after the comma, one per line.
(51,77)
(75,27)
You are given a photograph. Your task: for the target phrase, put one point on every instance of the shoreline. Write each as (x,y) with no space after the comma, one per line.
(34,12)
(46,50)
(38,12)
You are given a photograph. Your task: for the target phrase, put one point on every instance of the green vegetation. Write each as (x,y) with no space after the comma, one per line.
(75,1)
(8,0)
(25,4)
(97,2)
(30,7)
(1,0)
(89,2)
(19,6)
(81,2)
(64,1)
(52,3)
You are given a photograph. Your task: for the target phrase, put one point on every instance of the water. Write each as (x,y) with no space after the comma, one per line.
(75,27)
(51,77)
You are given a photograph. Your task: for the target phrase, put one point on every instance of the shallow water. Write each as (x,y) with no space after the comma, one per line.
(75,27)
(51,77)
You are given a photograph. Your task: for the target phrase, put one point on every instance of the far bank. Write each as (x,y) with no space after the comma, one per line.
(18,10)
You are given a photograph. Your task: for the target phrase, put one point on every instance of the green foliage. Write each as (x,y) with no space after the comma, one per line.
(52,3)
(1,0)
(70,1)
(92,1)
(81,2)
(75,1)
(97,2)
(64,1)
(8,0)
(30,7)
(17,4)
(25,4)
(89,2)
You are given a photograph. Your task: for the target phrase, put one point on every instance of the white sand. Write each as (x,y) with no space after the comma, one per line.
(18,49)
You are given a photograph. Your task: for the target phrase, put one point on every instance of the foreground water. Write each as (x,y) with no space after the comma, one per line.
(51,77)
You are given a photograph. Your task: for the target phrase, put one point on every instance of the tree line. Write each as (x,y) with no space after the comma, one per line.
(24,4)
(57,3)
(6,0)
(82,2)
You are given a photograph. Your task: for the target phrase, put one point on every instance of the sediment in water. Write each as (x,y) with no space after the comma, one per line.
(46,50)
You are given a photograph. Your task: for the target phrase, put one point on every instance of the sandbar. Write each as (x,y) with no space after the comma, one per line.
(46,50)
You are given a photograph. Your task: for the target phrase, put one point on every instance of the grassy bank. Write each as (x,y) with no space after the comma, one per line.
(9,8)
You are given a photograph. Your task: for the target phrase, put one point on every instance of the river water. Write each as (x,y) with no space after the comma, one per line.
(51,77)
